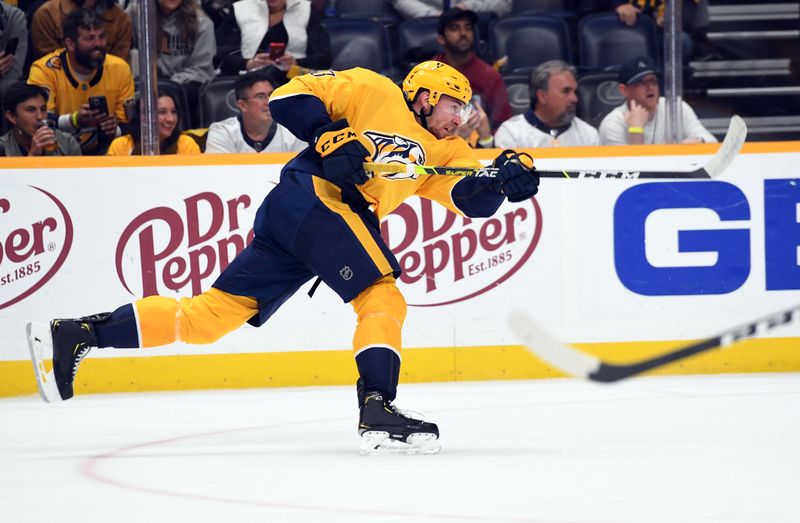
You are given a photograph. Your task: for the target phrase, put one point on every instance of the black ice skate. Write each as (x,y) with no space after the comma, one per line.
(70,341)
(386,430)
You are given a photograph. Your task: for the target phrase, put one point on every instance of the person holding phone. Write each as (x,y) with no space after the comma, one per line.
(281,33)
(88,87)
(13,45)
(32,134)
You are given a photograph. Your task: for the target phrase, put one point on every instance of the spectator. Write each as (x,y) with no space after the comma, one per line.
(13,45)
(170,139)
(476,129)
(695,20)
(245,36)
(81,71)
(551,120)
(253,130)
(46,25)
(25,107)
(641,119)
(420,8)
(457,36)
(185,43)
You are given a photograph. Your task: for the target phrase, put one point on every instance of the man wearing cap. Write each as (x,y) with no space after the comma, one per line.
(551,120)
(457,36)
(642,118)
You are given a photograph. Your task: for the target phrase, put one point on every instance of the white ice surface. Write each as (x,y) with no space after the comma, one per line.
(672,449)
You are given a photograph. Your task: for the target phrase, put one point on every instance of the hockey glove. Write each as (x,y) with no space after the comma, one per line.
(342,153)
(516,176)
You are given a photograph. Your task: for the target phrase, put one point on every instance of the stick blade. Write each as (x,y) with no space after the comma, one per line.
(731,145)
(546,347)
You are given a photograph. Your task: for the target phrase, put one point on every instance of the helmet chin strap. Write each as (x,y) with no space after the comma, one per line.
(422,115)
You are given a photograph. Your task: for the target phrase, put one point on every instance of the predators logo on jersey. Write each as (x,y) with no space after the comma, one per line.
(391,148)
(54,63)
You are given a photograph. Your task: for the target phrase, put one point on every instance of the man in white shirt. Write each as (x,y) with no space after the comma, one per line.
(642,118)
(551,120)
(253,130)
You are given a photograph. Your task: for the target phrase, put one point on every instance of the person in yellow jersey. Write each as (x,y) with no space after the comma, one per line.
(322,220)
(88,87)
(170,139)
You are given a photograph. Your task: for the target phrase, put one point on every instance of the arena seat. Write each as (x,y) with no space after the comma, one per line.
(529,40)
(218,100)
(358,42)
(604,42)
(598,95)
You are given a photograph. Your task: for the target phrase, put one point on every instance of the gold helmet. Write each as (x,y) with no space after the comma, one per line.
(438,79)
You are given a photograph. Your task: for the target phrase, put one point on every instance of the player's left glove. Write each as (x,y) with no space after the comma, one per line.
(342,153)
(516,176)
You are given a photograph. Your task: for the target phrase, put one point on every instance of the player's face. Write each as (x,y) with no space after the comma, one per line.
(644,93)
(561,99)
(256,106)
(458,36)
(29,115)
(448,114)
(276,5)
(167,117)
(169,6)
(90,47)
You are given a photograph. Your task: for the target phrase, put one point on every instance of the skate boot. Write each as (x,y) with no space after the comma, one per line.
(70,341)
(386,430)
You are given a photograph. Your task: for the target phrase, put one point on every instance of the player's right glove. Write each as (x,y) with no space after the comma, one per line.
(342,153)
(516,175)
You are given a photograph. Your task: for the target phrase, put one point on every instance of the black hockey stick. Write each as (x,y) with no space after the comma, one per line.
(578,363)
(731,145)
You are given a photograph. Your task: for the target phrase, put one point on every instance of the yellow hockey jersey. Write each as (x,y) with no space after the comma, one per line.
(123,146)
(68,93)
(376,109)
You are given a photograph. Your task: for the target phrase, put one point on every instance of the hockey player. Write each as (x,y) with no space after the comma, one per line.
(322,219)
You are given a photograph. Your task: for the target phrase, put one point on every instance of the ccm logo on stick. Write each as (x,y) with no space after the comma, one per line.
(725,250)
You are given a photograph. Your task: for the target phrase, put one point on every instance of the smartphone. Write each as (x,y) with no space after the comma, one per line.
(276,50)
(98,103)
(11,46)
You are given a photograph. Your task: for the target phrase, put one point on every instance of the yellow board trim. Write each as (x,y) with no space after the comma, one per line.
(87,162)
(293,369)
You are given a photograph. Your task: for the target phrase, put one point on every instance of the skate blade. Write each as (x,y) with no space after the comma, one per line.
(40,346)
(378,443)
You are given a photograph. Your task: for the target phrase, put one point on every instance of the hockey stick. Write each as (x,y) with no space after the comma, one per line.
(578,363)
(731,145)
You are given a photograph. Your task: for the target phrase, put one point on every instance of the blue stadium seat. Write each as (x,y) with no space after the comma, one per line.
(378,10)
(598,95)
(416,41)
(358,42)
(519,92)
(529,40)
(520,6)
(218,100)
(604,42)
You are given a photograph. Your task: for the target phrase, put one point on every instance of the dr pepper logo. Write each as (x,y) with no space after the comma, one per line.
(447,259)
(182,250)
(35,239)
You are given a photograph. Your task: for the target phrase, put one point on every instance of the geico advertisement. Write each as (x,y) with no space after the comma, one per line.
(596,260)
